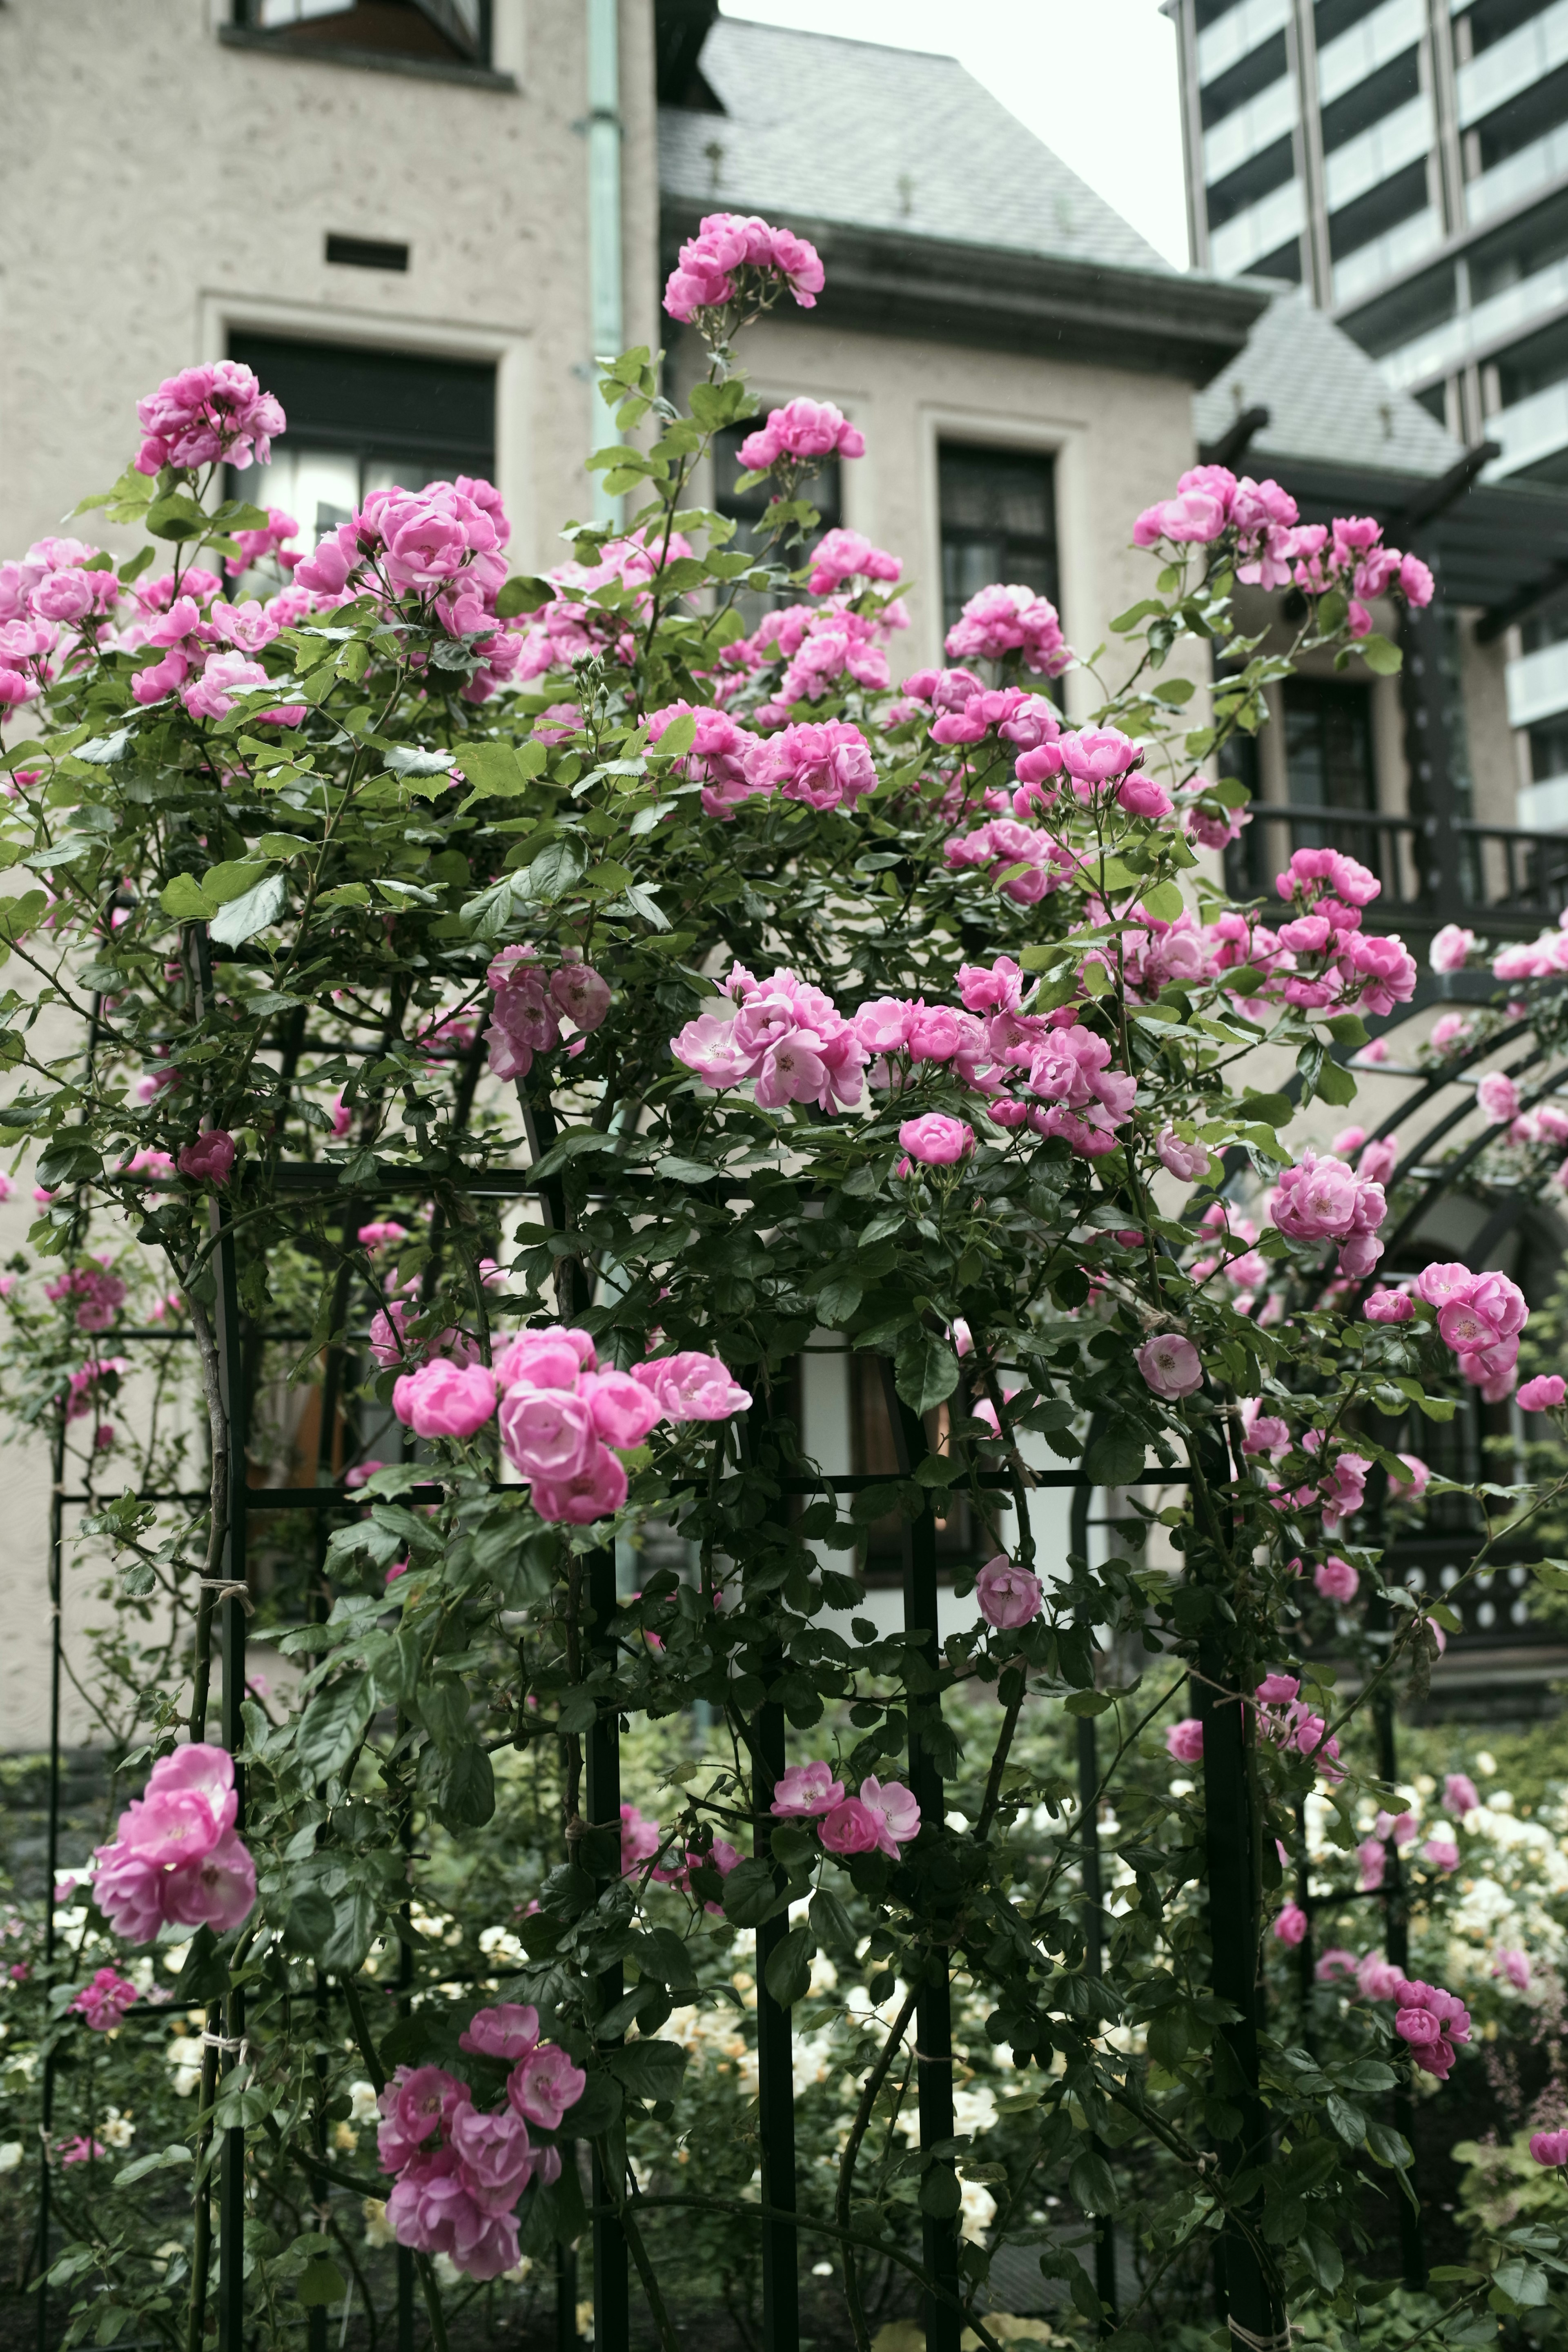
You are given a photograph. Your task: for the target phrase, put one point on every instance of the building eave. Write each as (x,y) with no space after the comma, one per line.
(1149,322)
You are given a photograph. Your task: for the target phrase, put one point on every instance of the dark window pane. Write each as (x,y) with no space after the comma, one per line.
(447,30)
(824,492)
(958,1531)
(1328,750)
(361,419)
(998,523)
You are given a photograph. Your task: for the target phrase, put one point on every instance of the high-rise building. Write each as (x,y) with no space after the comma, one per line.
(1407,164)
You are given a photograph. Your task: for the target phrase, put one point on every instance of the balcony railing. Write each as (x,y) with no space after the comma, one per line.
(1259,230)
(1512,65)
(1237,33)
(1517,176)
(1537,683)
(1390,30)
(1533,429)
(1508,883)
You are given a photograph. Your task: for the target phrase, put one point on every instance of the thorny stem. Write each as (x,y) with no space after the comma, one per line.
(850,2158)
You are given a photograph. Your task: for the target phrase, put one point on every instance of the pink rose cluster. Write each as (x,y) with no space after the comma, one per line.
(566,629)
(1100,763)
(1001,622)
(563,1420)
(783,1033)
(1285,1717)
(206,413)
(882,1818)
(177,1857)
(1335,960)
(1479,1316)
(55,602)
(825,763)
(801,434)
(1323,1199)
(100,1292)
(841,555)
(1430,2021)
(736,259)
(82,1389)
(1276,552)
(459,2196)
(530,1005)
(205,648)
(103,2001)
(1540,959)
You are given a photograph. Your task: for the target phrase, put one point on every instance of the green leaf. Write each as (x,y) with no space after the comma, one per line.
(678,737)
(684,1171)
(1086,1702)
(1522,2282)
(1091,2185)
(941,2195)
(1335,1083)
(788,1972)
(523,594)
(332,1726)
(1116,1458)
(1381,658)
(838,1298)
(554,870)
(320,2281)
(466,1794)
(176,516)
(1164,902)
(1322,2258)
(1272,1110)
(242,917)
(1142,611)
(648,2070)
(925,1372)
(1387,2146)
(1347,2120)
(182,897)
(749,1894)
(166,2160)
(502,771)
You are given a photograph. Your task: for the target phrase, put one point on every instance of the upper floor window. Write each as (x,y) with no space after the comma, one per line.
(449,31)
(1328,744)
(361,419)
(998,511)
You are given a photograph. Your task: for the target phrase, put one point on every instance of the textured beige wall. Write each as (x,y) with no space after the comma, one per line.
(158,188)
(1119,440)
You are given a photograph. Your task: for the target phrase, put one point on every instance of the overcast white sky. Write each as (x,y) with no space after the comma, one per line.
(1096,79)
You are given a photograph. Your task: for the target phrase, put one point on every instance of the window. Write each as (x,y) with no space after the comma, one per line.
(824,492)
(1222,96)
(998,510)
(361,420)
(1284,262)
(1251,182)
(872,1450)
(1393,200)
(1328,752)
(454,32)
(1379,94)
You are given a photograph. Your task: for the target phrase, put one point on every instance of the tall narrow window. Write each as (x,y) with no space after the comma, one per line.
(1328,744)
(824,492)
(361,419)
(998,510)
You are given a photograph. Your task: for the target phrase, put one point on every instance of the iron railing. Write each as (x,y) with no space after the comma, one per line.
(1503,880)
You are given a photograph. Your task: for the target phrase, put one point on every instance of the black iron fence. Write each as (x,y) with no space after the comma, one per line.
(1493,877)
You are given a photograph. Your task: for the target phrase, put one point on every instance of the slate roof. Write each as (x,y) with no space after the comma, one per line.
(1328,402)
(821,129)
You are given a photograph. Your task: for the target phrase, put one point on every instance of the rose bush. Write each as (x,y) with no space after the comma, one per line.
(404,889)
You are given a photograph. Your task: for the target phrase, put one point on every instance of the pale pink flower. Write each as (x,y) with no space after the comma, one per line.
(803,1790)
(623,1410)
(1008,1596)
(546,2085)
(936,1140)
(1171,1365)
(1336,1580)
(546,1432)
(1496,1098)
(1190,1161)
(446,1399)
(592,1493)
(1451,949)
(507,2031)
(692,1386)
(1545,1393)
(1184,1740)
(1514,1967)
(210,1158)
(1290,1926)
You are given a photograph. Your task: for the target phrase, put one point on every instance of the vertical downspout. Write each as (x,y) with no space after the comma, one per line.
(604,267)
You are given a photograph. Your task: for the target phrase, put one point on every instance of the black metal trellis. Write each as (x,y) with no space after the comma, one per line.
(934,2055)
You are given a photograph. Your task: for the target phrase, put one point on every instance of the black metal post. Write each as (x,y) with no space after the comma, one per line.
(775,2070)
(1251,2300)
(231,1382)
(51,1854)
(1094,1960)
(933,2009)
(1397,1946)
(611,2307)
(565,2299)
(1425,700)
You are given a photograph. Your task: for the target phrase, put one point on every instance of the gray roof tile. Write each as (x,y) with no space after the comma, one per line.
(1327,400)
(816,128)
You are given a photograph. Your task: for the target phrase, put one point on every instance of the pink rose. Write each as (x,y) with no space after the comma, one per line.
(216,1889)
(1171,1365)
(546,1432)
(1451,949)
(1441,1849)
(545,1359)
(1184,1740)
(592,1493)
(1410,1490)
(446,1399)
(1545,1393)
(895,1810)
(1290,1928)
(1389,1306)
(1549,2146)
(209,1158)
(692,1386)
(497,2159)
(508,2030)
(1497,1098)
(545,2086)
(803,1790)
(621,1409)
(1515,1967)
(581,994)
(1190,1161)
(411,2107)
(1008,1596)
(936,1140)
(850,1828)
(1336,1580)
